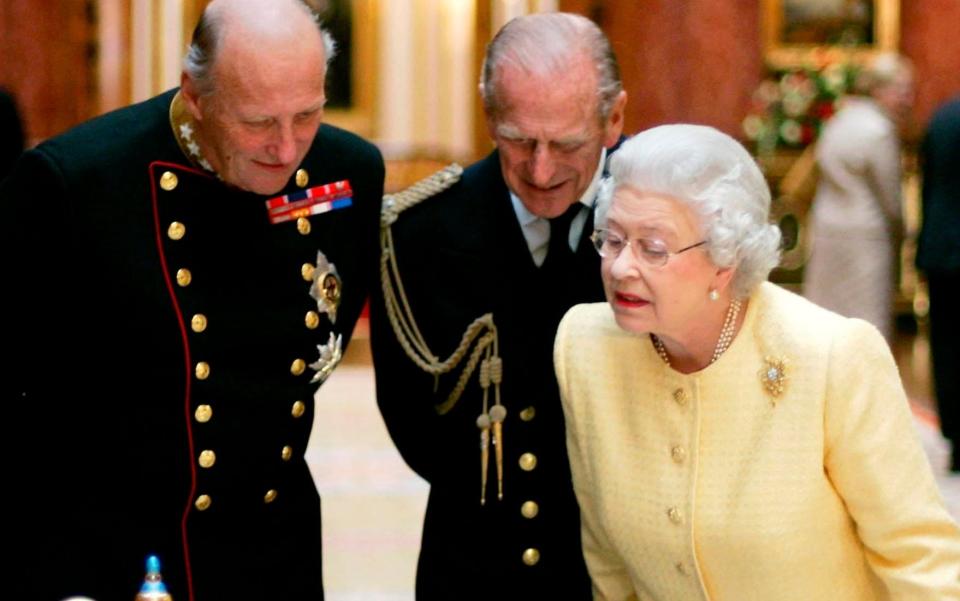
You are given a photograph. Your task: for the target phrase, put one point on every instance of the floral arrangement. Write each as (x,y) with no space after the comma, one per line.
(790,107)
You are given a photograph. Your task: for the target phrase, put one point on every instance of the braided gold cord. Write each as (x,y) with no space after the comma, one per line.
(398,308)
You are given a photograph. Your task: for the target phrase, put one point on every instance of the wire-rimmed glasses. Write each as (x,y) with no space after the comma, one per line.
(651,252)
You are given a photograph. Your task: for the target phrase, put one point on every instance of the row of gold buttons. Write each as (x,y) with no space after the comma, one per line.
(529,509)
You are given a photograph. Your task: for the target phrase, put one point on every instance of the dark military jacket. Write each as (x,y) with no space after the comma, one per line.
(162,332)
(462,254)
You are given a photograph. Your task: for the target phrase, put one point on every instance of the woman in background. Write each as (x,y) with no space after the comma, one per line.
(728,439)
(856,219)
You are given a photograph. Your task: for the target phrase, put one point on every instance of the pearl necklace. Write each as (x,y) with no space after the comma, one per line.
(723,343)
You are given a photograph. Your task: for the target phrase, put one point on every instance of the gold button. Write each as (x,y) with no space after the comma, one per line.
(298,366)
(203,370)
(203,413)
(531,556)
(207,458)
(312,320)
(184,277)
(678,453)
(680,396)
(682,568)
(203,502)
(302,177)
(270,496)
(528,414)
(298,409)
(198,322)
(286,453)
(306,270)
(675,516)
(528,461)
(168,181)
(529,509)
(176,230)
(303,225)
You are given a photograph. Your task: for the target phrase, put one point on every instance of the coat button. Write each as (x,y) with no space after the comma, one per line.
(303,225)
(203,413)
(203,502)
(297,367)
(202,370)
(528,461)
(184,277)
(176,230)
(531,556)
(529,509)
(298,409)
(306,271)
(168,181)
(302,177)
(270,496)
(312,320)
(286,453)
(678,453)
(528,413)
(207,458)
(675,516)
(198,323)
(680,396)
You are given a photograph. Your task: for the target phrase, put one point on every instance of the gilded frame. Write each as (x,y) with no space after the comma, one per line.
(780,54)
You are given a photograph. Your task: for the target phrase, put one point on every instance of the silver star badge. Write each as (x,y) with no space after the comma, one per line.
(326,287)
(330,355)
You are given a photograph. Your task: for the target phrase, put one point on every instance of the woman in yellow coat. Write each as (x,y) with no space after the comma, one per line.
(728,439)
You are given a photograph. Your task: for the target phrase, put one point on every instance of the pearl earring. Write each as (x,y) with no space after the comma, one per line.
(714,295)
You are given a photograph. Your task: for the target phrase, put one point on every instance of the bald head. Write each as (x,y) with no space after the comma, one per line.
(258,28)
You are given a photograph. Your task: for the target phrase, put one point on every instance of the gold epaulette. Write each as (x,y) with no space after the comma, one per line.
(481,334)
(394,204)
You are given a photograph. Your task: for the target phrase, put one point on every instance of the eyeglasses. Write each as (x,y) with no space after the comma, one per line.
(650,252)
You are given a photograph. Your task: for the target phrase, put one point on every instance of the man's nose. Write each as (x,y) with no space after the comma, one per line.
(284,146)
(542,166)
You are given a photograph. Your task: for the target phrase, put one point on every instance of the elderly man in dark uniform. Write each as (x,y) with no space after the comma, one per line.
(507,245)
(182,274)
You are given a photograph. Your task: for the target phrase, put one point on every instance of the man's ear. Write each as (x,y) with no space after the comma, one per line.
(613,126)
(191,96)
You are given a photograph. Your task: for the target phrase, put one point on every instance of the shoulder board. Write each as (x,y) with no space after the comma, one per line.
(394,204)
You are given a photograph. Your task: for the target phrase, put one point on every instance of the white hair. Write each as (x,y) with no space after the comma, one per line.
(715,176)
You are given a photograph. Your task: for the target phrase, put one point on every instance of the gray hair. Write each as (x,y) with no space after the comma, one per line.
(715,176)
(208,34)
(880,70)
(545,43)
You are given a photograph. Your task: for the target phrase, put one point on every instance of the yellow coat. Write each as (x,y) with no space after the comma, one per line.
(708,486)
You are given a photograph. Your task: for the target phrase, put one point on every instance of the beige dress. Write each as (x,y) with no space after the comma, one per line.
(856,219)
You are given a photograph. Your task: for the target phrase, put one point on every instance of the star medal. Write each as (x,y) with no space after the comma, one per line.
(326,287)
(330,355)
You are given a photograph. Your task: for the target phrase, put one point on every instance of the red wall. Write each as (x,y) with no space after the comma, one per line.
(699,60)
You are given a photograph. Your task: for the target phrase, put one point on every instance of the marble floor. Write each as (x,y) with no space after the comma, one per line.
(373,504)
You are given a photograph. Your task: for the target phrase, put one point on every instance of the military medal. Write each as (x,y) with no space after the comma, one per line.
(326,287)
(312,201)
(330,355)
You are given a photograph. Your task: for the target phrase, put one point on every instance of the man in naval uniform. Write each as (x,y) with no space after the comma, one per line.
(510,240)
(182,273)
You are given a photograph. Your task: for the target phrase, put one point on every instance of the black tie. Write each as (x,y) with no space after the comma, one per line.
(559,245)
